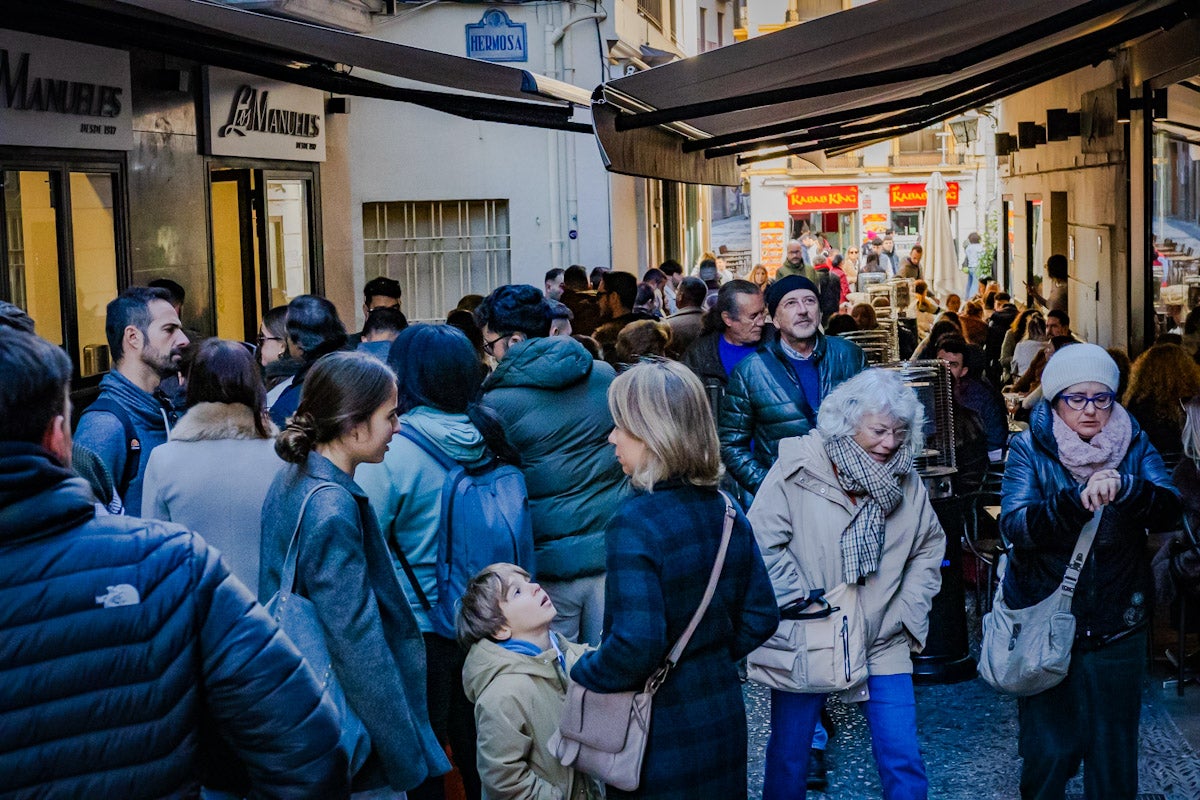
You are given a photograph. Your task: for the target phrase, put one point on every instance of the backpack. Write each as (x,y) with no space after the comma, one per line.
(133,447)
(485,519)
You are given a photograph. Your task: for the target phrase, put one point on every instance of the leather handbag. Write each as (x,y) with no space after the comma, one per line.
(819,647)
(1028,650)
(604,735)
(297,617)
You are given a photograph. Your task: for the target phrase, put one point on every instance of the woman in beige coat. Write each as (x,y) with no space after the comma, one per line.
(854,552)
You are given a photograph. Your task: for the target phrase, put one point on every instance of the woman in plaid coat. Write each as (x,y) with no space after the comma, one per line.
(661,547)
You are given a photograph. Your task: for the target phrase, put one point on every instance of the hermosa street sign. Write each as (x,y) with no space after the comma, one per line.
(497,38)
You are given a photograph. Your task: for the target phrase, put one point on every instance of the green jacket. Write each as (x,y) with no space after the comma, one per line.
(553,401)
(757,411)
(804,271)
(518,703)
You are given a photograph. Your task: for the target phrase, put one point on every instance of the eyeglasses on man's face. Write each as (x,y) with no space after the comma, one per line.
(1078,402)
(487,346)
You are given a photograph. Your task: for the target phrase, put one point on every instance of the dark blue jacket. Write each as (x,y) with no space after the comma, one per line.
(758,410)
(1042,515)
(122,640)
(661,548)
(378,655)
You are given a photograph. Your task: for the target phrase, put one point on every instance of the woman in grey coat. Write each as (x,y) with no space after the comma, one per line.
(346,417)
(214,473)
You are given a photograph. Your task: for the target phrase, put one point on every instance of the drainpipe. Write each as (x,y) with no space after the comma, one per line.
(562,152)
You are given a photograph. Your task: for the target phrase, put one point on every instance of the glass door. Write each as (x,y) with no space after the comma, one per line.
(61,245)
(235,254)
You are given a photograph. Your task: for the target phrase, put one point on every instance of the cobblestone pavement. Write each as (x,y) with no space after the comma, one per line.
(968,735)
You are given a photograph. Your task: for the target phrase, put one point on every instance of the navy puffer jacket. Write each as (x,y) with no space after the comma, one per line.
(1042,515)
(122,639)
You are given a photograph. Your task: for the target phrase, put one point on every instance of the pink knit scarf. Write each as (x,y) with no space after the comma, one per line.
(1105,451)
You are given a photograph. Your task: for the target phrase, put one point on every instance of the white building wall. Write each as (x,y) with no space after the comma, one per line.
(402,152)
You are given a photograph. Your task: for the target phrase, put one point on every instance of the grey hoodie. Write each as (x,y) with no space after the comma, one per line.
(102,435)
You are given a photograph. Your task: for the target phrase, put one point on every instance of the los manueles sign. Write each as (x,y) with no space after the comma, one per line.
(251,111)
(60,96)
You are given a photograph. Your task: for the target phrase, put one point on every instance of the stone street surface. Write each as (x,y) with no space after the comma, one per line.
(968,736)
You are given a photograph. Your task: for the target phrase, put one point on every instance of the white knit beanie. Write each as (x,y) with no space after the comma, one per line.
(1079,363)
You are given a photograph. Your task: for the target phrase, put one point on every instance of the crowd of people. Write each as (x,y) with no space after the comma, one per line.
(594,428)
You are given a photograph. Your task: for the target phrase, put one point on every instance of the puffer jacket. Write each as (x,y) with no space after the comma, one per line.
(122,640)
(552,398)
(757,412)
(518,703)
(799,515)
(375,646)
(1041,516)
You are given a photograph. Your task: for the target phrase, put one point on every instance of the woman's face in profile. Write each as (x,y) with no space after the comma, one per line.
(631,451)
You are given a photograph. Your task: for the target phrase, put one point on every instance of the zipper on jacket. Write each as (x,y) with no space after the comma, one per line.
(846,645)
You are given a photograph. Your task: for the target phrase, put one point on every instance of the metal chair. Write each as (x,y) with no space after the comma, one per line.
(985,549)
(1184,567)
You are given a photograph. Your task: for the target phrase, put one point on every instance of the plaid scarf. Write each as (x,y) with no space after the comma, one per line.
(859,474)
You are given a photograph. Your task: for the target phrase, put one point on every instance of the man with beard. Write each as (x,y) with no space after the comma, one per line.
(131,416)
(796,263)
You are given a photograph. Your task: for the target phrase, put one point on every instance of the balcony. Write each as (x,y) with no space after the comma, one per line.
(848,162)
(927,158)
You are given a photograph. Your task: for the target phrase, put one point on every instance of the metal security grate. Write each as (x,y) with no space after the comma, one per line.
(438,250)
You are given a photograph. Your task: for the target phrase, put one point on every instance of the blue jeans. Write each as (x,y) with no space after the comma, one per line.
(892,717)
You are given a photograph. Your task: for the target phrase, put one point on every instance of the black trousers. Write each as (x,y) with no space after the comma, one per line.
(450,714)
(1091,717)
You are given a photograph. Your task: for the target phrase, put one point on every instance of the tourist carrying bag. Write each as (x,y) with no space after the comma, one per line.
(297,617)
(1028,650)
(820,645)
(604,735)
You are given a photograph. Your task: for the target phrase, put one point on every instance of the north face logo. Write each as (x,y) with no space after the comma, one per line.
(120,595)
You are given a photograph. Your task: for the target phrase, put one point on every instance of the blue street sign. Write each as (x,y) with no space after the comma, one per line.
(497,38)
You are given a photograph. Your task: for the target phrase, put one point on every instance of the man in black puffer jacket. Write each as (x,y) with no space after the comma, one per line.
(776,392)
(129,655)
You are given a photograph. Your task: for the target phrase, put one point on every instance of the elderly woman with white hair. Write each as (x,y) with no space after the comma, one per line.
(854,552)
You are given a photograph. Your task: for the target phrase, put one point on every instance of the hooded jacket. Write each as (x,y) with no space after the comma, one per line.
(799,515)
(102,435)
(125,642)
(405,492)
(757,411)
(374,643)
(213,477)
(1041,515)
(553,400)
(518,703)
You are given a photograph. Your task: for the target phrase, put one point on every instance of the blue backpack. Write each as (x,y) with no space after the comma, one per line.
(485,519)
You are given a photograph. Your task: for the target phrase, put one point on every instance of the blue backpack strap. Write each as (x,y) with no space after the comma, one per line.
(431,450)
(133,454)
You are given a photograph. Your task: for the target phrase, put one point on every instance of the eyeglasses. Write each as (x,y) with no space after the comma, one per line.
(264,339)
(487,346)
(1078,402)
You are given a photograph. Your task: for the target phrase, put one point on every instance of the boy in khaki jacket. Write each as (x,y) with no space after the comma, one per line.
(516,675)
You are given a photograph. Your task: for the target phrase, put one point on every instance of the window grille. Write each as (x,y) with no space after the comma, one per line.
(438,251)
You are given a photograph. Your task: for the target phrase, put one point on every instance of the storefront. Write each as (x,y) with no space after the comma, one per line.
(906,202)
(831,211)
(112,178)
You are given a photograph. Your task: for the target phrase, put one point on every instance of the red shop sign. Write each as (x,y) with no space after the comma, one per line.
(912,195)
(822,198)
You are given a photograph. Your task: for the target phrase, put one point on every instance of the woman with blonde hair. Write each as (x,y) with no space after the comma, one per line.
(1161,378)
(759,277)
(662,544)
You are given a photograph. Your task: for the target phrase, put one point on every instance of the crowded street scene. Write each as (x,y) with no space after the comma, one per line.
(583,399)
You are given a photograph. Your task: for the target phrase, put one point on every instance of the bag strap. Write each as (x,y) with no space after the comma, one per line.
(133,456)
(430,449)
(672,659)
(1082,546)
(287,578)
(409,573)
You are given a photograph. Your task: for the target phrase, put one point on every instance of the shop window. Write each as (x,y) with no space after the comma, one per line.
(906,223)
(439,251)
(31,225)
(95,251)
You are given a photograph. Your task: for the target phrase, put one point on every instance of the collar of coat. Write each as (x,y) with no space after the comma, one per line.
(216,421)
(805,463)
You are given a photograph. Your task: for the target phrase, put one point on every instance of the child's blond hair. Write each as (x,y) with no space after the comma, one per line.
(479,614)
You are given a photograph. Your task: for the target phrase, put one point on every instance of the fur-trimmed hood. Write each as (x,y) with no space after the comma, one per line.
(216,421)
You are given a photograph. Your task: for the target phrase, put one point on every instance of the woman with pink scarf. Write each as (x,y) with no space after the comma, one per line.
(1083,453)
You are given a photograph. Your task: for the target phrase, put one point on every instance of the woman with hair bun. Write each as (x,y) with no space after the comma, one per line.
(440,385)
(346,417)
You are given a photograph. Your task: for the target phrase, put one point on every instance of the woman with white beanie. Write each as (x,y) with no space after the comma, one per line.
(1084,453)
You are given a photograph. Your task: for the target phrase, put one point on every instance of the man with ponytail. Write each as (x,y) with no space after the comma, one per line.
(135,665)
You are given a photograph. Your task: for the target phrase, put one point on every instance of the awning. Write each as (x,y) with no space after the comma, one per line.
(301,53)
(866,74)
